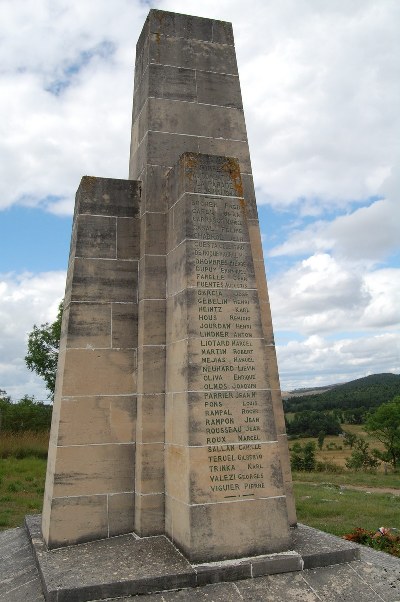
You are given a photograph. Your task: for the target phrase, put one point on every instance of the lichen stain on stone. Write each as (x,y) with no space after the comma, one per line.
(88,183)
(190,161)
(231,166)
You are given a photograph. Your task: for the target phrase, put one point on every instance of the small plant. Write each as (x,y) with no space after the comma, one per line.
(383,540)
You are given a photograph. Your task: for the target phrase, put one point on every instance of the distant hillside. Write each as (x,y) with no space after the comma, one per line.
(368,392)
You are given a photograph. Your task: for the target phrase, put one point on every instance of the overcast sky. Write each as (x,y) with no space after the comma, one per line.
(321,90)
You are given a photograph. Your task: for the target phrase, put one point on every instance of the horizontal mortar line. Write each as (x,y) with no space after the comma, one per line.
(243,173)
(154,345)
(195,287)
(208,194)
(166,35)
(193,102)
(260,390)
(152,299)
(99,302)
(69,397)
(63,497)
(139,443)
(152,255)
(97,444)
(191,337)
(192,69)
(168,444)
(90,348)
(245,141)
(147,494)
(225,501)
(207,240)
(105,259)
(195,136)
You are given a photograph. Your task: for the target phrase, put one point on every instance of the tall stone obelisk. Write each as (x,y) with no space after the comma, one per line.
(167,415)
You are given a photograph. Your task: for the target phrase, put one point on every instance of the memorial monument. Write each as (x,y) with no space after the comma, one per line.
(167,414)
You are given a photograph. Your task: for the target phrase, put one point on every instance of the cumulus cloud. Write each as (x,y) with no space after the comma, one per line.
(318,361)
(321,295)
(318,79)
(25,299)
(320,89)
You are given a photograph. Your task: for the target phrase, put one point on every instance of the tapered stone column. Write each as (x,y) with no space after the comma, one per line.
(187,98)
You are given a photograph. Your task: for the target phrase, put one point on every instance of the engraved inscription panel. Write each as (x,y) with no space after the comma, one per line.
(217,364)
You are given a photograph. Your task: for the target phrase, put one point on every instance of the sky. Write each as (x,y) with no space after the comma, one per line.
(321,92)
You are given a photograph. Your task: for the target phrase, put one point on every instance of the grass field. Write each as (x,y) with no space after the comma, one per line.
(21,489)
(331,451)
(322,498)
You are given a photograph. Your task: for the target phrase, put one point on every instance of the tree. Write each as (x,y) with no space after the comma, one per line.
(321,438)
(303,456)
(349,439)
(42,356)
(384,423)
(361,458)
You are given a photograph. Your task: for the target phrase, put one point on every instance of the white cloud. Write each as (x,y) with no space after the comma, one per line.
(322,295)
(317,361)
(368,234)
(319,83)
(25,299)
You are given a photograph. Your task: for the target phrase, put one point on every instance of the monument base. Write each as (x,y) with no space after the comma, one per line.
(129,565)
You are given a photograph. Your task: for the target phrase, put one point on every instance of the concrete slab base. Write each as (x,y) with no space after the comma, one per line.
(128,565)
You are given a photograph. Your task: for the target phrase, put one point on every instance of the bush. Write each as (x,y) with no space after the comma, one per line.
(302,457)
(328,467)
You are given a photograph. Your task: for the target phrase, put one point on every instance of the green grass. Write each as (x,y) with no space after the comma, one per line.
(21,489)
(334,510)
(365,479)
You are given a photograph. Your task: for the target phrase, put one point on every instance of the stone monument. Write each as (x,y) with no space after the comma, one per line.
(167,414)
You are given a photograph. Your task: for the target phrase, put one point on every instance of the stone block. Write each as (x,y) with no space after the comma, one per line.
(94,469)
(77,519)
(149,514)
(195,119)
(99,372)
(153,234)
(150,468)
(121,513)
(180,26)
(153,188)
(218,89)
(151,417)
(96,236)
(89,325)
(107,196)
(165,148)
(128,238)
(108,280)
(151,369)
(192,54)
(95,420)
(152,321)
(227,148)
(174,83)
(124,325)
(203,532)
(152,277)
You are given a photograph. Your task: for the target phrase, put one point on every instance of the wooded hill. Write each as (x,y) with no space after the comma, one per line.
(366,393)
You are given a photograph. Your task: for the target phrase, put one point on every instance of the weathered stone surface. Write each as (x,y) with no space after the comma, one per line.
(375,574)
